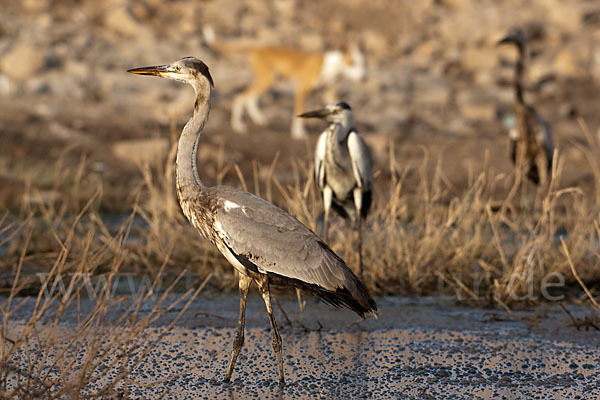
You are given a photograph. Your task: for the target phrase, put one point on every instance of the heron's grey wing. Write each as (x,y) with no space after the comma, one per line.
(265,236)
(362,166)
(320,160)
(544,136)
(513,150)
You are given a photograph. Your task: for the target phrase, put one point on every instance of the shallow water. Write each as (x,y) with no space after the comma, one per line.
(419,348)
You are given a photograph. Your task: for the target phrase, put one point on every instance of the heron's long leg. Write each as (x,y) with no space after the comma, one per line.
(238,342)
(357,193)
(360,262)
(263,287)
(327,198)
(301,303)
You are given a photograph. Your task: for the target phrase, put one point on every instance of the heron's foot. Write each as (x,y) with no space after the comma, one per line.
(279,357)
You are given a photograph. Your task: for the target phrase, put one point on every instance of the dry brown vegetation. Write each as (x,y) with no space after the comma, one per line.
(479,245)
(99,357)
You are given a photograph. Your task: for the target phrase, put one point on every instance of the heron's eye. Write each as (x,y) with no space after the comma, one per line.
(177,68)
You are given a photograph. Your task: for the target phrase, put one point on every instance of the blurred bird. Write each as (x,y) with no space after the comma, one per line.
(262,242)
(343,168)
(530,140)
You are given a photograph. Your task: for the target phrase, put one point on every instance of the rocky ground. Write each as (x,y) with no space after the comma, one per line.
(418,349)
(437,89)
(436,83)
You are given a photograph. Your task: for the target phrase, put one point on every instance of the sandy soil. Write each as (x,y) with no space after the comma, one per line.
(419,348)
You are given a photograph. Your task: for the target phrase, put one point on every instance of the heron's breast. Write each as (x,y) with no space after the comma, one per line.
(340,180)
(198,213)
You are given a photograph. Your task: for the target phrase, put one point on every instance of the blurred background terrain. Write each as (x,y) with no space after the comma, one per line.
(436,83)
(435,109)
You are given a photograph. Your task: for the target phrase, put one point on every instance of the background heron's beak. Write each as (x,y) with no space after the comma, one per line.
(322,113)
(506,40)
(156,70)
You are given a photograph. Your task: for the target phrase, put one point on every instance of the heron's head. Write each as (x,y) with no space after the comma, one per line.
(515,36)
(334,113)
(188,69)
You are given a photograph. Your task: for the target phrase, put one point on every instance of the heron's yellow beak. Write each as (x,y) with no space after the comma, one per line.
(157,70)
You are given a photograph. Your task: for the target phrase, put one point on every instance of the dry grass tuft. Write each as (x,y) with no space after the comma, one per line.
(530,246)
(478,245)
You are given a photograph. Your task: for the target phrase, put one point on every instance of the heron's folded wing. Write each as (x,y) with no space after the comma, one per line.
(362,166)
(276,242)
(320,160)
(544,136)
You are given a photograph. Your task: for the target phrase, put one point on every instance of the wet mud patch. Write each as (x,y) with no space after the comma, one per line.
(418,349)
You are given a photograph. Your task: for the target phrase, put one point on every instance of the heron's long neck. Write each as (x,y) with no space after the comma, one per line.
(520,106)
(187,169)
(519,72)
(336,142)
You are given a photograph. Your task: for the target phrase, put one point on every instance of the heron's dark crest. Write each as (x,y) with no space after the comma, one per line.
(198,65)
(515,36)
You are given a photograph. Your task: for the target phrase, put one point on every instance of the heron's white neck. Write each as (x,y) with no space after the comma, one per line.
(341,128)
(187,169)
(336,139)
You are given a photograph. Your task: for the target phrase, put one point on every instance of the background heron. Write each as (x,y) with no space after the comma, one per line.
(343,168)
(262,242)
(530,140)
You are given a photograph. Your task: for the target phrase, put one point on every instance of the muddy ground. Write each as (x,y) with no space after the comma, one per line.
(418,349)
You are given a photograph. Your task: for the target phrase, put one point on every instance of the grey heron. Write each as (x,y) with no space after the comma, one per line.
(531,148)
(343,168)
(261,241)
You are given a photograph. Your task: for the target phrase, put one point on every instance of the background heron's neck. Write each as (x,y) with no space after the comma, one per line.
(519,71)
(336,142)
(187,169)
(520,106)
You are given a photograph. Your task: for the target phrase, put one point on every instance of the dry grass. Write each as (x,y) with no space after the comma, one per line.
(39,354)
(477,246)
(99,355)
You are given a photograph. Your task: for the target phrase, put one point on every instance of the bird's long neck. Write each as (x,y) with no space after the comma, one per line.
(187,169)
(336,142)
(520,106)
(519,72)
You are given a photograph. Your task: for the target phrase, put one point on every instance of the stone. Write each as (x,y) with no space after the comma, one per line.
(22,62)
(565,63)
(374,42)
(123,22)
(539,69)
(423,53)
(573,61)
(454,5)
(565,16)
(479,58)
